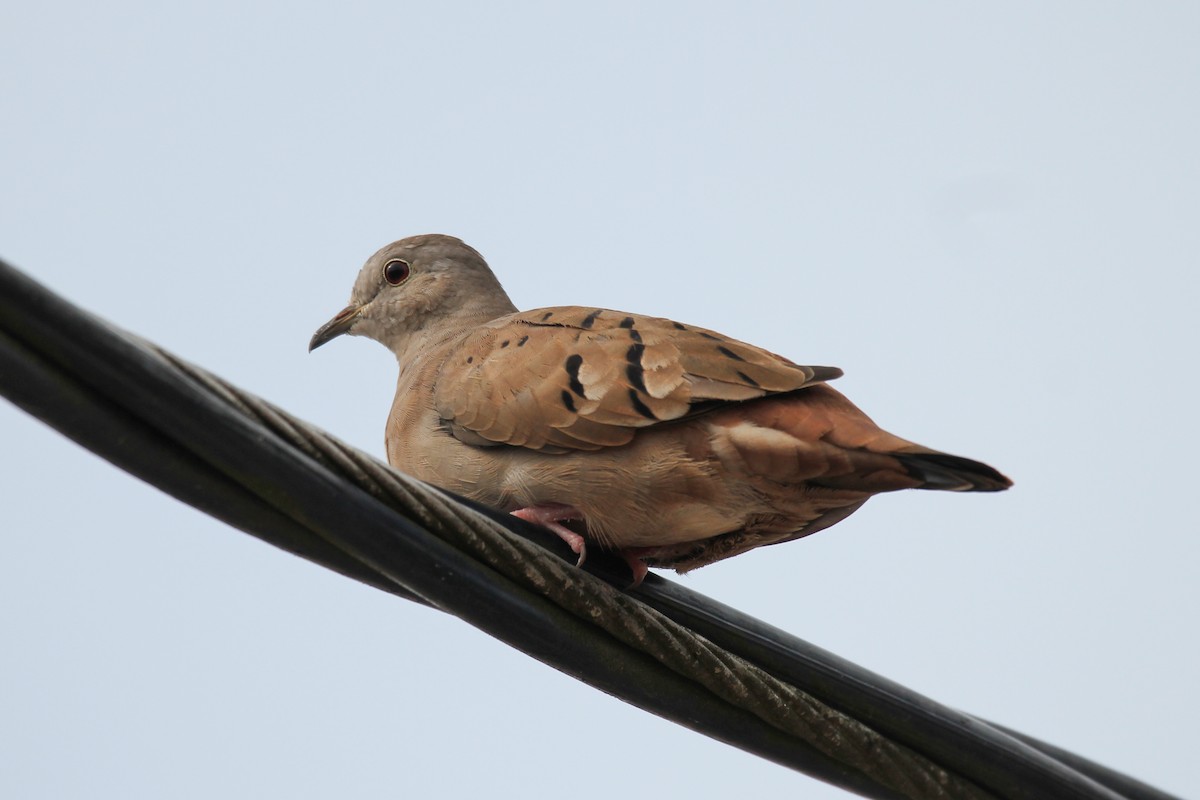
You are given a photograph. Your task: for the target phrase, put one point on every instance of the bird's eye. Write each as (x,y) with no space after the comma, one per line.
(396,271)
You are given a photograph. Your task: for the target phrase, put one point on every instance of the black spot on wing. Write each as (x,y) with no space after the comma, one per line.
(679,326)
(627,323)
(639,406)
(590,319)
(572,364)
(709,336)
(470,359)
(568,401)
(634,370)
(547,315)
(504,344)
(747,379)
(725,351)
(521,342)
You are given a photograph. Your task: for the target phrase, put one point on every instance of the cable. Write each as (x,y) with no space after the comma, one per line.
(697,663)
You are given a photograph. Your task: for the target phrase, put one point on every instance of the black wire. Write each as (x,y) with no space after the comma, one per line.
(1006,761)
(113,370)
(992,757)
(94,422)
(1118,782)
(112,395)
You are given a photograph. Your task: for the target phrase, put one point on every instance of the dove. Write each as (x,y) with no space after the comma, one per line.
(671,444)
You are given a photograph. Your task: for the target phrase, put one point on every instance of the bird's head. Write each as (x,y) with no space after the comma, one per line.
(413,284)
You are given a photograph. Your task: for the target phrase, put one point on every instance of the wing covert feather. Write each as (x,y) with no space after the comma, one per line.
(583,379)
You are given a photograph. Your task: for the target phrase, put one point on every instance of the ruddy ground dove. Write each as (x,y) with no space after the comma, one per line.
(671,444)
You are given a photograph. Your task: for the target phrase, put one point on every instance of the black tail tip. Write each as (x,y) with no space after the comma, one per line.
(953,473)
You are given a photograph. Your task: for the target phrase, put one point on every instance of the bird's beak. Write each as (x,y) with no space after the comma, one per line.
(342,323)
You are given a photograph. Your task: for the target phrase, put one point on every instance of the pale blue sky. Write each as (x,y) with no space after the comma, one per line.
(986,216)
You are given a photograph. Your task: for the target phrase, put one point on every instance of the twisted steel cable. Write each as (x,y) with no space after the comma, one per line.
(662,648)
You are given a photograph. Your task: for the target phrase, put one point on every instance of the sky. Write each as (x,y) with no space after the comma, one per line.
(985,215)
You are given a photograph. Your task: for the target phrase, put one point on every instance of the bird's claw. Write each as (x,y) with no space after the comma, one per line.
(550,516)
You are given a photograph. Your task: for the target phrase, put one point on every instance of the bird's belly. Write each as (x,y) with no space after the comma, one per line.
(646,493)
(643,497)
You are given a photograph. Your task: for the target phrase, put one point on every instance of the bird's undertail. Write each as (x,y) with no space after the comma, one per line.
(949,473)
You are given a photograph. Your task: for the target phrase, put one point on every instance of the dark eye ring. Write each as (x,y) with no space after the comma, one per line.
(396,271)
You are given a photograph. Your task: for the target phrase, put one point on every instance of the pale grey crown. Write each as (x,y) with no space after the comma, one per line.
(449,284)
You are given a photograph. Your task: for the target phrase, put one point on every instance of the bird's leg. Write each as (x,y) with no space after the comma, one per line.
(549,515)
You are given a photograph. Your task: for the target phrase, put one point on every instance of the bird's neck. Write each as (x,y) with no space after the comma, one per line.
(484,307)
(434,335)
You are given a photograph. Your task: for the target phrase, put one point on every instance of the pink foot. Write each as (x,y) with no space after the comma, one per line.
(549,515)
(633,558)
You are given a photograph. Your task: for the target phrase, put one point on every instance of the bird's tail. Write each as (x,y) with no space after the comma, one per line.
(952,473)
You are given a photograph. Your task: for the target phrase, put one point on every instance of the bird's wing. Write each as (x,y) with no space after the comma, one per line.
(575,378)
